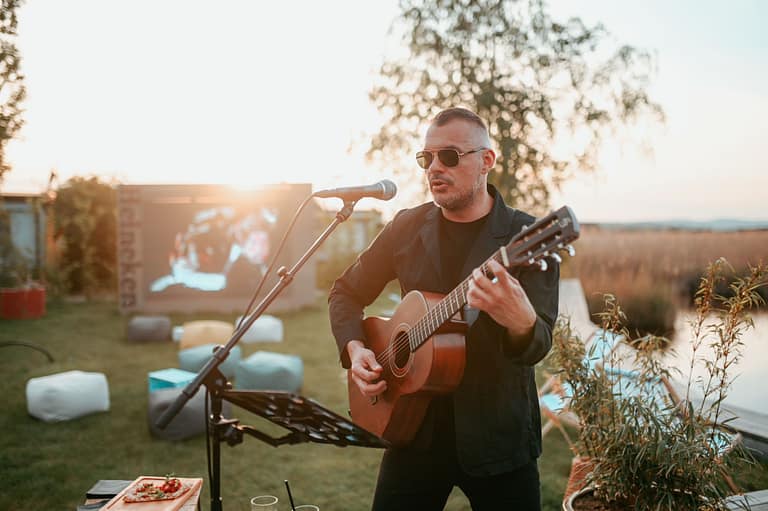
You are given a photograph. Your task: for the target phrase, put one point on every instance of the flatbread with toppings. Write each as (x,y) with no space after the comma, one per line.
(149,491)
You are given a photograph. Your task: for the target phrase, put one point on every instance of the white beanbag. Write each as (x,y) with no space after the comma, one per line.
(265,329)
(68,395)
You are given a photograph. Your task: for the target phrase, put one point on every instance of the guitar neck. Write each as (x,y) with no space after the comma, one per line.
(452,303)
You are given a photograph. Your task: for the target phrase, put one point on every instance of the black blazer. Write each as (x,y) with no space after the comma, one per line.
(496,409)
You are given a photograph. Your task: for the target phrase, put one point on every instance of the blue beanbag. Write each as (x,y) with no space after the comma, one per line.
(193,359)
(265,370)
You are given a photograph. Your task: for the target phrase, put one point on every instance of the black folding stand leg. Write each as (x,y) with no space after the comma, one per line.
(216,384)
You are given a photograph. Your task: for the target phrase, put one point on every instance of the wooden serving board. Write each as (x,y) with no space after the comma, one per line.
(118,504)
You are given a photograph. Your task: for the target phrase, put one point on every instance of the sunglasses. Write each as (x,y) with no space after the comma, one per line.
(448,157)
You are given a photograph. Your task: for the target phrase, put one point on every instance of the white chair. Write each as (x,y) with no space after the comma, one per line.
(554,395)
(554,401)
(573,304)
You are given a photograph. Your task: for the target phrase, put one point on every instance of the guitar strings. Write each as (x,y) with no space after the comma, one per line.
(403,338)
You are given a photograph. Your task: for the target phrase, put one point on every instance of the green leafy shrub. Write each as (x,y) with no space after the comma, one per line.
(85,228)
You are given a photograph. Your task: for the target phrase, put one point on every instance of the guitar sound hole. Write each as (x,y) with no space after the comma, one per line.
(402,351)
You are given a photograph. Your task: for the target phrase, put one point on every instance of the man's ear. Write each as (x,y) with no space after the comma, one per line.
(489,160)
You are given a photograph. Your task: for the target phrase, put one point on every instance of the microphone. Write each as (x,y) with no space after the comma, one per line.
(383,190)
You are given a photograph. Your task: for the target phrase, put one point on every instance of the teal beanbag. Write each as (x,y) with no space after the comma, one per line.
(193,359)
(265,370)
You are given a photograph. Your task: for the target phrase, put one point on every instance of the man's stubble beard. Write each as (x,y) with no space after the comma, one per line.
(464,198)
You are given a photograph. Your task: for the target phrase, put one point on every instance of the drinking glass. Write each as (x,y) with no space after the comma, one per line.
(264,503)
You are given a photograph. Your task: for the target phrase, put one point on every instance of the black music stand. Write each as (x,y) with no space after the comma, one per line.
(306,419)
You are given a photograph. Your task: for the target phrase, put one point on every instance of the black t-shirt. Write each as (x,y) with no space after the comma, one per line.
(456,241)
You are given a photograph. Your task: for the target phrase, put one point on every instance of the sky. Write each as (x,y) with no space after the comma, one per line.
(249,93)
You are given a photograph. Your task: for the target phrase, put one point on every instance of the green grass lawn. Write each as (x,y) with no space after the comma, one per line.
(50,466)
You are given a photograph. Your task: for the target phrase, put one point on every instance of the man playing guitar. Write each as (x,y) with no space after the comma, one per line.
(483,432)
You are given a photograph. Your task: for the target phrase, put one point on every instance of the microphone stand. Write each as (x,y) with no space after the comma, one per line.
(216,382)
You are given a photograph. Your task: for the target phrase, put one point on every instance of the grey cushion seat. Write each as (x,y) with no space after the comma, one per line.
(189,422)
(149,328)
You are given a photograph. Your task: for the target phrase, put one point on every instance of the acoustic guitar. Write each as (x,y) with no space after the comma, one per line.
(421,347)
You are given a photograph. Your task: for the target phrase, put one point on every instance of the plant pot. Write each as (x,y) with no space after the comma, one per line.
(568,502)
(571,503)
(580,468)
(22,302)
(583,500)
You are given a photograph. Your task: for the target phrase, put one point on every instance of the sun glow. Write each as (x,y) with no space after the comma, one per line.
(224,95)
(254,93)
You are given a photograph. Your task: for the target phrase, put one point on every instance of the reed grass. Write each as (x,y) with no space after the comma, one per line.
(629,263)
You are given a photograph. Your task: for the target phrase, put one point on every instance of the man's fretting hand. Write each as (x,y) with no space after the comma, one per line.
(503,299)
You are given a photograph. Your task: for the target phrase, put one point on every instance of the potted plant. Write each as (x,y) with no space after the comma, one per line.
(20,296)
(647,447)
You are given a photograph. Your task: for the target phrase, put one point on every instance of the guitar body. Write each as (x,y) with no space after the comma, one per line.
(413,377)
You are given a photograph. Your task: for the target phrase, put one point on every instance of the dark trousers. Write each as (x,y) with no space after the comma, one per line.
(423,480)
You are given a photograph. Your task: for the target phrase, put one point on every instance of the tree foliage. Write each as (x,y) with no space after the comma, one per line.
(12,90)
(550,91)
(85,228)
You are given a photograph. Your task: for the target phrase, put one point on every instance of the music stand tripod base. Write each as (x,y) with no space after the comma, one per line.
(307,420)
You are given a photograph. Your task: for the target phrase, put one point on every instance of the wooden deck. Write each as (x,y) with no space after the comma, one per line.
(753,426)
(756,501)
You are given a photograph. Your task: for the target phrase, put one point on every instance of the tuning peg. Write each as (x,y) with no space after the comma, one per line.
(524,228)
(571,250)
(556,257)
(543,265)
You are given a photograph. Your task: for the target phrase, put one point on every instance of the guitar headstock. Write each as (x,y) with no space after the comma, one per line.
(548,237)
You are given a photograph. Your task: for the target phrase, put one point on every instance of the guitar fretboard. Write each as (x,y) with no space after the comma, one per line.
(445,309)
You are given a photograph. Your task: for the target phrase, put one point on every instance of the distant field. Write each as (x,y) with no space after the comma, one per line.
(631,263)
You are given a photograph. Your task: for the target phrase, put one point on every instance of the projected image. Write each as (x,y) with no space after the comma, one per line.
(217,240)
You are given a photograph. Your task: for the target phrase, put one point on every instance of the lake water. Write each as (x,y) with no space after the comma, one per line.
(750,387)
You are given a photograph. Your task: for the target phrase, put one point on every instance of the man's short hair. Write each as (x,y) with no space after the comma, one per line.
(451,114)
